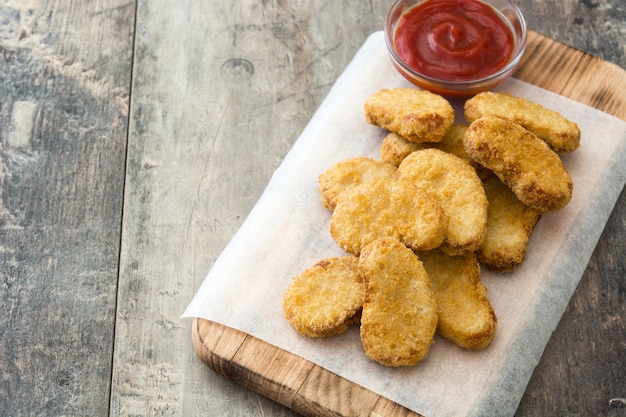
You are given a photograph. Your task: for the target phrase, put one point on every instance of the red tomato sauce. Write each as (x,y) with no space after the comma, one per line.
(454,40)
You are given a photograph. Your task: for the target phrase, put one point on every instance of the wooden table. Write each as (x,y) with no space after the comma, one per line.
(135,137)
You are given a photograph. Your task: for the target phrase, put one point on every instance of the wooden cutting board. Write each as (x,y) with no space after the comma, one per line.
(311,390)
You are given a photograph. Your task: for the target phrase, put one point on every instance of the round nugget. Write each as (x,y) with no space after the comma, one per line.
(399,317)
(522,161)
(347,174)
(466,316)
(394,148)
(453,143)
(417,115)
(387,208)
(326,298)
(454,184)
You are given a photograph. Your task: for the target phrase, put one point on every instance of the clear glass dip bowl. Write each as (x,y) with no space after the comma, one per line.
(510,14)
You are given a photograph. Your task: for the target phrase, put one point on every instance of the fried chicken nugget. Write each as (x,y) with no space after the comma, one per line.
(509,226)
(387,208)
(347,174)
(395,148)
(521,160)
(326,298)
(399,317)
(466,316)
(417,115)
(561,134)
(454,184)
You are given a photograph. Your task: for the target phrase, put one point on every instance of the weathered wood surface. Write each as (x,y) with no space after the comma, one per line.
(65,72)
(98,259)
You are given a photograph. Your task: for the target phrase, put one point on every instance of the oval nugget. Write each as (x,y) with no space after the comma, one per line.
(325,298)
(417,115)
(509,225)
(561,134)
(399,317)
(466,316)
(454,184)
(347,174)
(522,161)
(387,208)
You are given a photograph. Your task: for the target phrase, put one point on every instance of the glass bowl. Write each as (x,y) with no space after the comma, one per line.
(469,86)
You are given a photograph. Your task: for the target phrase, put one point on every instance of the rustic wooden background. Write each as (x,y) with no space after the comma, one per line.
(135,137)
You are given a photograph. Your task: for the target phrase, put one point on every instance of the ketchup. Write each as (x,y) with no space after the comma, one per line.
(454,40)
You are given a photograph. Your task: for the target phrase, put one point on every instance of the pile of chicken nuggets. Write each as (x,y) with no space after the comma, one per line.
(417,225)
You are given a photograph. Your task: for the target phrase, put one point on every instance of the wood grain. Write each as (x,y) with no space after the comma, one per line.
(221,91)
(313,391)
(582,83)
(64,96)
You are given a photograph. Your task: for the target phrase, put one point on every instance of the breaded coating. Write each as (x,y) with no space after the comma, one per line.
(395,148)
(417,115)
(399,317)
(454,184)
(387,208)
(522,161)
(347,174)
(509,226)
(453,143)
(326,298)
(466,316)
(561,134)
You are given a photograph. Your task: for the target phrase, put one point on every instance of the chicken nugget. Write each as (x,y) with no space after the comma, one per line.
(509,226)
(395,148)
(466,316)
(522,161)
(399,316)
(561,134)
(387,208)
(325,299)
(454,184)
(348,174)
(417,115)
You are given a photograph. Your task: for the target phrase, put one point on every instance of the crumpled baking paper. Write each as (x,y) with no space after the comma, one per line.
(288,231)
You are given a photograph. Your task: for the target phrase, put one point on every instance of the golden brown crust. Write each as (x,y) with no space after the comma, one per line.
(466,316)
(326,298)
(456,187)
(453,143)
(347,174)
(521,160)
(387,208)
(399,315)
(509,226)
(417,115)
(561,134)
(394,148)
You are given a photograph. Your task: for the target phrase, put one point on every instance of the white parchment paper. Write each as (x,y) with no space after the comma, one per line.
(288,231)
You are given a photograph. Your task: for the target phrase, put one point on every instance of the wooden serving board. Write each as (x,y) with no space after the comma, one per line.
(311,390)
